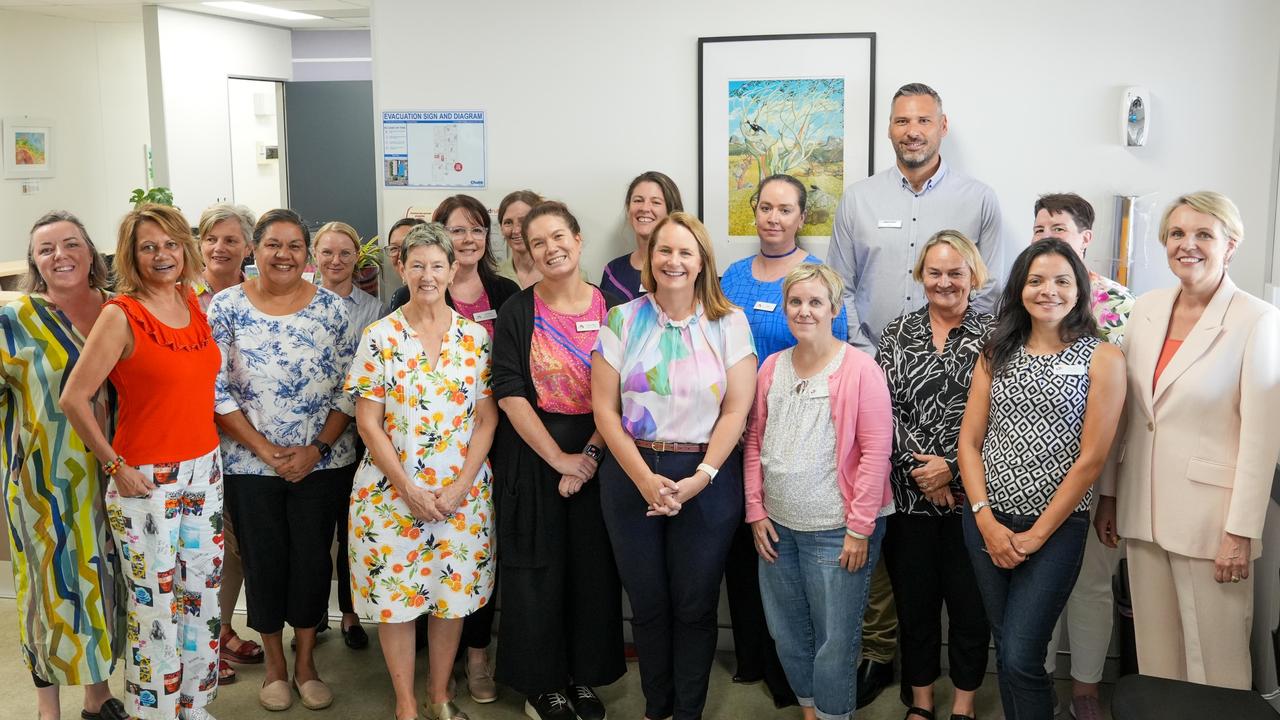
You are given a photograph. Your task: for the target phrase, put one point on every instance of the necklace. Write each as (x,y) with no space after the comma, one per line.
(792,251)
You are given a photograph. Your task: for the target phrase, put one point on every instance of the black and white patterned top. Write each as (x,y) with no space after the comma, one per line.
(1034,427)
(929,391)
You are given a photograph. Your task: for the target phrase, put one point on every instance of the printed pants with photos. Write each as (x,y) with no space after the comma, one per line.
(171,556)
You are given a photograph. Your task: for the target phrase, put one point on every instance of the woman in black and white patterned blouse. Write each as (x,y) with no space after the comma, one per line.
(928,356)
(1043,408)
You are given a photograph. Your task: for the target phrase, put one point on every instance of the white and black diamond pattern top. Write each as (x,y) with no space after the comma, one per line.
(1034,427)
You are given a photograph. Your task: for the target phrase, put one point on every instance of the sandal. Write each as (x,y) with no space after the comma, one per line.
(226,673)
(926,714)
(246,652)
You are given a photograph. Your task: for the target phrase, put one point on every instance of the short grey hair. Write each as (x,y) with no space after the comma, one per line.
(226,211)
(430,234)
(913,89)
(34,282)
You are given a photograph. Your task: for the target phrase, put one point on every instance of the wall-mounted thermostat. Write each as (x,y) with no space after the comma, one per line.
(1135,117)
(267,153)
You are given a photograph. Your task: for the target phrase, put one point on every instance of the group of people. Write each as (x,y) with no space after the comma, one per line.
(906,424)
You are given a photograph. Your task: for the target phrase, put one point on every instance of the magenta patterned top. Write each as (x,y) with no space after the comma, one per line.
(478,311)
(560,356)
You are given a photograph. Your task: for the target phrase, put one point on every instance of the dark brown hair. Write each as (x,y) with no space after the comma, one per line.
(487,267)
(1070,203)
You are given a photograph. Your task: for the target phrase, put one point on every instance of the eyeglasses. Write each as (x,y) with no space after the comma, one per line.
(479,233)
(343,255)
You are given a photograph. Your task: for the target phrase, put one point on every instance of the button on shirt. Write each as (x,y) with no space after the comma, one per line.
(879,229)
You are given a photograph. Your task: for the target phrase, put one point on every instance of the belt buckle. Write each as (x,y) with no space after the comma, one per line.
(660,446)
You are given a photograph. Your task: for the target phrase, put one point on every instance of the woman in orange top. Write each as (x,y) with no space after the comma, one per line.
(164,501)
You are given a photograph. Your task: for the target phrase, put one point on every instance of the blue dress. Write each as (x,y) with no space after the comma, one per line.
(762,302)
(621,279)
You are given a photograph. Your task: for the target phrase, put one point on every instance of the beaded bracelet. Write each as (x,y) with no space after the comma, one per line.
(113,467)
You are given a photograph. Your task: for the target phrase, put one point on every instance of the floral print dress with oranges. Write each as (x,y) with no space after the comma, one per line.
(402,567)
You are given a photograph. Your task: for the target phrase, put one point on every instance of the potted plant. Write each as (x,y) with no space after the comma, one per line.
(368,263)
(157,195)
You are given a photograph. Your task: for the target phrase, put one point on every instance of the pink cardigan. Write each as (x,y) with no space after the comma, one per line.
(863,421)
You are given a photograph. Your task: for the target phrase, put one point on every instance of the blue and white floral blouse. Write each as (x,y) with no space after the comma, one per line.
(284,372)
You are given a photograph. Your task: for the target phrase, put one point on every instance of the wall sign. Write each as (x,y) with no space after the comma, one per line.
(433,148)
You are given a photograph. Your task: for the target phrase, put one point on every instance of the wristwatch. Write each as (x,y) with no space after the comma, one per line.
(974,508)
(593,452)
(322,446)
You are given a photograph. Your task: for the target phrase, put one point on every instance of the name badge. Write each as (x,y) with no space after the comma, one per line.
(485,315)
(897,224)
(765,307)
(1070,369)
(588,325)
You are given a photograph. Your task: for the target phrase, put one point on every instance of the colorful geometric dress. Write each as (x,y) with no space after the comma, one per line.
(402,567)
(70,595)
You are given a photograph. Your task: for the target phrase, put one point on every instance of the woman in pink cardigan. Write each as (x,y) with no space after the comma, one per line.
(816,475)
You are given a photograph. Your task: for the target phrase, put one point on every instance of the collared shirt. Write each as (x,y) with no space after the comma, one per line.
(673,375)
(1111,304)
(928,390)
(879,229)
(363,309)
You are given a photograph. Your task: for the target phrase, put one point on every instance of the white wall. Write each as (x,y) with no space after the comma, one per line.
(583,98)
(89,79)
(189,60)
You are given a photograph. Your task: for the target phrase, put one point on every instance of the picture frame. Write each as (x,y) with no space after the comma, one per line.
(27,148)
(803,104)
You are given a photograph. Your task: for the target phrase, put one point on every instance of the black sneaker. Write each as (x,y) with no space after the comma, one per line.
(548,706)
(586,703)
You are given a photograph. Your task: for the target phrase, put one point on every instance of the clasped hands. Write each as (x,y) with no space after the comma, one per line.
(666,496)
(291,462)
(575,470)
(435,505)
(1007,548)
(933,476)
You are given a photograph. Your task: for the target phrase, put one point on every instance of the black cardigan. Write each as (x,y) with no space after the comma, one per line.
(518,471)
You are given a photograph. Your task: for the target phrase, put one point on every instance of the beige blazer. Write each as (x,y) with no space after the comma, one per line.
(1196,456)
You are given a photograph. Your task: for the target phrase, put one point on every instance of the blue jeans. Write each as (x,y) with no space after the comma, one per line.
(814,609)
(671,569)
(1023,605)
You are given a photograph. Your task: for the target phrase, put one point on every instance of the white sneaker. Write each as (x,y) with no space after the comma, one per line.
(195,714)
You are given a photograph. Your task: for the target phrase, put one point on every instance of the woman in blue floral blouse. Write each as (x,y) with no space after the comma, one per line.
(287,445)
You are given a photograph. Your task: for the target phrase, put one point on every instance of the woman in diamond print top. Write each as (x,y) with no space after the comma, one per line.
(1043,408)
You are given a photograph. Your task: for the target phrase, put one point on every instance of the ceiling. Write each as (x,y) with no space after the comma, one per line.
(337,14)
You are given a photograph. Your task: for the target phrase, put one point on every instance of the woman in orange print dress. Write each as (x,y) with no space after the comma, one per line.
(421,513)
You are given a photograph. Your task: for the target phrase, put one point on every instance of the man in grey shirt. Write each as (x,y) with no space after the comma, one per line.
(881,223)
(883,219)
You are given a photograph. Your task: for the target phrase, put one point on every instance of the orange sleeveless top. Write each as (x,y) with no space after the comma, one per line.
(1167,351)
(165,387)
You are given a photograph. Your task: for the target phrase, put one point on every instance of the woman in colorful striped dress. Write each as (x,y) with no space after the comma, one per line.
(70,605)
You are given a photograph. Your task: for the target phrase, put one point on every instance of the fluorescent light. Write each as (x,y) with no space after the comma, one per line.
(255,9)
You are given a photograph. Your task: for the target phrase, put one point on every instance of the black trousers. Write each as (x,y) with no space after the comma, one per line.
(342,563)
(564,620)
(753,647)
(929,565)
(671,568)
(285,531)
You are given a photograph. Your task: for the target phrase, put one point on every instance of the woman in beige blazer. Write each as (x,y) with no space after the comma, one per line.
(1191,475)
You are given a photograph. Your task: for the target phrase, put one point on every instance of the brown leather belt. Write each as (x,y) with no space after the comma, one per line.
(663,446)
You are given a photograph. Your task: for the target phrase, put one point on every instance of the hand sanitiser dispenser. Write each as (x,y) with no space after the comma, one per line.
(1135,117)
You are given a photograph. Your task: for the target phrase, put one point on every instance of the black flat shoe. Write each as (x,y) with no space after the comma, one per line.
(873,677)
(355,637)
(112,709)
(918,712)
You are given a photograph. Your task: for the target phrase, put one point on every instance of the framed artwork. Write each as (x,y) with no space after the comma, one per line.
(27,147)
(797,104)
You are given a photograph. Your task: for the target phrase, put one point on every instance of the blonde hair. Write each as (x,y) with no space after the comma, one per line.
(805,272)
(215,214)
(1209,203)
(706,289)
(336,226)
(962,245)
(128,279)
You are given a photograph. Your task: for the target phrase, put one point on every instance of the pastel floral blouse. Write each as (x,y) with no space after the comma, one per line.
(284,372)
(673,374)
(1111,304)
